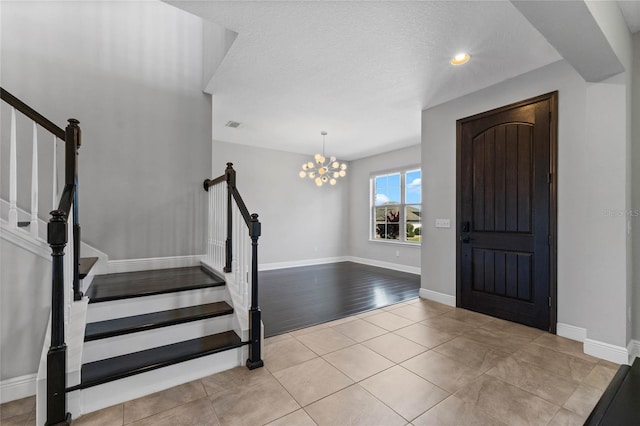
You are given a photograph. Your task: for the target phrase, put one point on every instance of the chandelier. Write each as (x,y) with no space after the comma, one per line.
(322,171)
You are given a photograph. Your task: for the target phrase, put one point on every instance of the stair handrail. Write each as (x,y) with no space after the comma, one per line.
(59,235)
(31,113)
(254,228)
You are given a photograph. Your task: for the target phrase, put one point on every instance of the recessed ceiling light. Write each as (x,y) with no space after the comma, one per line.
(460,58)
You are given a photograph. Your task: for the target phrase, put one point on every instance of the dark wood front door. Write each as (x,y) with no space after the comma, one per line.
(506,212)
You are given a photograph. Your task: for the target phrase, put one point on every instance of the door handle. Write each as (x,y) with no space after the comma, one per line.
(465,238)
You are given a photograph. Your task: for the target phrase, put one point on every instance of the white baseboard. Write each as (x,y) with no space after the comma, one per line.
(132,265)
(17,388)
(321,261)
(634,350)
(25,240)
(613,353)
(438,297)
(571,332)
(387,265)
(303,262)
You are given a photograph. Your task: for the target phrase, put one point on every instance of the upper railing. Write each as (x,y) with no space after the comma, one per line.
(232,249)
(63,231)
(32,114)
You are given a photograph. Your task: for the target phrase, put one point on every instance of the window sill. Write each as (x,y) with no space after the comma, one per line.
(397,243)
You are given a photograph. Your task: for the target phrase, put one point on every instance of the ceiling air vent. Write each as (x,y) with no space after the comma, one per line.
(233,124)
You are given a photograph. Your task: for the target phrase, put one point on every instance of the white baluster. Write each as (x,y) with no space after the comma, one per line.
(210,227)
(243,261)
(217,226)
(243,257)
(54,193)
(68,272)
(236,248)
(34,183)
(214,219)
(222,226)
(247,269)
(13,174)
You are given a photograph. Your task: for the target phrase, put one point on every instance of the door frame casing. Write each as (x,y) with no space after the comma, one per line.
(552,97)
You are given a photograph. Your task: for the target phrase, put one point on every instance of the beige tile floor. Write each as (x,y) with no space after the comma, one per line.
(418,363)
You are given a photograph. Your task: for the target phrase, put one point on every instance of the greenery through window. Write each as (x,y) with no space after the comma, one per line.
(396,211)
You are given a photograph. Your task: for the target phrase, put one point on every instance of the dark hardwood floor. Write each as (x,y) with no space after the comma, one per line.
(294,298)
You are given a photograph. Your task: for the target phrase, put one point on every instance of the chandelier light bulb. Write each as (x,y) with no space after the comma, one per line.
(327,171)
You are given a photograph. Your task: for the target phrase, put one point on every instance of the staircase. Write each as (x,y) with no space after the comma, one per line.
(116,337)
(151,330)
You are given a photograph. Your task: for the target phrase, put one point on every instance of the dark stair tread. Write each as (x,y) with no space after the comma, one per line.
(23,224)
(133,324)
(619,404)
(146,283)
(110,369)
(86,263)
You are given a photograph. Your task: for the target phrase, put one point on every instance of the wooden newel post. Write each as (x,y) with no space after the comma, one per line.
(231,183)
(73,141)
(255,329)
(57,355)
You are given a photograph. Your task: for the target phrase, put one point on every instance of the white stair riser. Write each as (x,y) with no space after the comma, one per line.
(96,350)
(98,397)
(161,302)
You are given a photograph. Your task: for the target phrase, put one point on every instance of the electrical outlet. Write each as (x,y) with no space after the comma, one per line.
(397,253)
(443,223)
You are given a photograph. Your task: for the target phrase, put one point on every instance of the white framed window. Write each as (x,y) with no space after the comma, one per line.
(396,206)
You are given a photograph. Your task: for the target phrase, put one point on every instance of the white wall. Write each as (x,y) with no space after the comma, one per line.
(216,42)
(25,301)
(614,28)
(300,222)
(359,243)
(131,72)
(635,220)
(592,143)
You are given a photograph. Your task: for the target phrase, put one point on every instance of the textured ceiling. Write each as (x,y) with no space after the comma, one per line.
(362,71)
